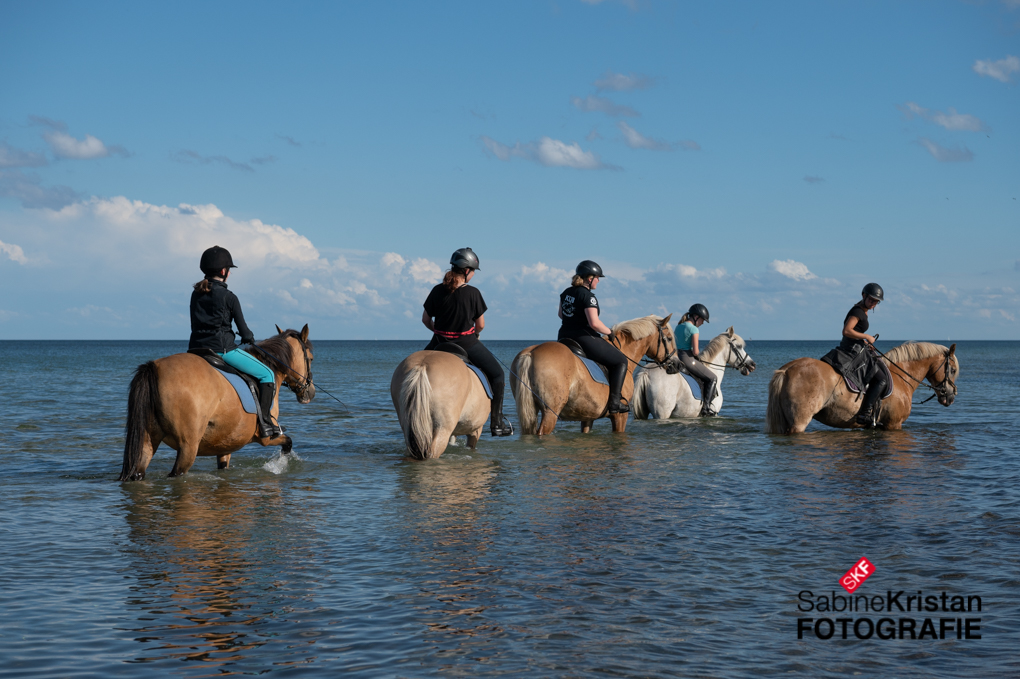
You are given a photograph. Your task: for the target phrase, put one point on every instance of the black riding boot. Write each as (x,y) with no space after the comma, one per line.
(267,428)
(707,396)
(498,424)
(617,375)
(866,416)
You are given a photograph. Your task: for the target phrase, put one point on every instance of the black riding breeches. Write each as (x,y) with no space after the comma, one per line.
(702,374)
(601,351)
(877,384)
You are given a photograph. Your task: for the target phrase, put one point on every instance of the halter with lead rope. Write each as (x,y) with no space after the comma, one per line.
(939,390)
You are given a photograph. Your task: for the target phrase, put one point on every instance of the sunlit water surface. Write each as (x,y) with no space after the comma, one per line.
(675,549)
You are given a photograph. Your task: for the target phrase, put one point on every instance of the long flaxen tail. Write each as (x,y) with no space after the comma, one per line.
(638,403)
(775,415)
(143,411)
(416,402)
(520,385)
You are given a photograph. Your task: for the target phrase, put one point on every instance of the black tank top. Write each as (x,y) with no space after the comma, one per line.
(861,314)
(573,302)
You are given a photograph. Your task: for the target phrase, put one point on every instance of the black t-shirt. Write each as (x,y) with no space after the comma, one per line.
(455,312)
(211,315)
(861,314)
(573,301)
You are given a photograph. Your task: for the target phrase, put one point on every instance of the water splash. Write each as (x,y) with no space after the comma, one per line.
(279,464)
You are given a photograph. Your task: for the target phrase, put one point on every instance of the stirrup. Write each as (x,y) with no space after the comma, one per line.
(622,406)
(504,428)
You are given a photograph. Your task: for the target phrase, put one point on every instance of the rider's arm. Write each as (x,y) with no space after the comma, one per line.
(480,324)
(848,331)
(247,336)
(559,311)
(593,320)
(427,321)
(694,344)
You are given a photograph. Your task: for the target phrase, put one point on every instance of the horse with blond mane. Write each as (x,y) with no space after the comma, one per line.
(548,380)
(806,389)
(661,395)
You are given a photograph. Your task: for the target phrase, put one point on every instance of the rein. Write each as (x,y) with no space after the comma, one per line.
(941,389)
(739,366)
(658,344)
(307,377)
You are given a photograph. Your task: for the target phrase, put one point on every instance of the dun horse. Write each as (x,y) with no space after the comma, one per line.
(661,395)
(437,397)
(808,388)
(183,401)
(548,379)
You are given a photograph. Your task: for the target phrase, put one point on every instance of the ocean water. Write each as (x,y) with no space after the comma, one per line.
(678,548)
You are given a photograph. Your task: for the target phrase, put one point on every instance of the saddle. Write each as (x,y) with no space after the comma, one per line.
(461,353)
(246,386)
(597,371)
(853,367)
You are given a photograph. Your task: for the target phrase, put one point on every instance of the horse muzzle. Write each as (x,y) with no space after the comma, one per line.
(748,367)
(307,395)
(673,367)
(947,399)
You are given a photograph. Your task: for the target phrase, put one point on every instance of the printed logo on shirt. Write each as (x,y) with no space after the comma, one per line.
(594,302)
(568,306)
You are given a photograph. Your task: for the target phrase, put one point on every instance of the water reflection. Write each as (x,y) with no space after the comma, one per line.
(201,585)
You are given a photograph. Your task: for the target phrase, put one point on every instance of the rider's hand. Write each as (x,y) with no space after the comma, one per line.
(869,339)
(250,339)
(612,338)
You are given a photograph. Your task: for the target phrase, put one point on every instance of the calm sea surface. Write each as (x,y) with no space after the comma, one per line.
(676,549)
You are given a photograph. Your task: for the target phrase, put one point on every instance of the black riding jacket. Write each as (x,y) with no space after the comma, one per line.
(211,315)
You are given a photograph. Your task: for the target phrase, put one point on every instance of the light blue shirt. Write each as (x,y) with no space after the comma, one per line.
(684,332)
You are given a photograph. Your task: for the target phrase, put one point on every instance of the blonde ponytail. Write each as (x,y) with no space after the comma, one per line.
(685,318)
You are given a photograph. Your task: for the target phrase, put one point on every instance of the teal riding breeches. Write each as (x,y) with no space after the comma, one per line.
(249,365)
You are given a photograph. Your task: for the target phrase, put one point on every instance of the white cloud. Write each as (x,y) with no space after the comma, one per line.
(793,270)
(548,152)
(28,189)
(543,273)
(64,145)
(951,120)
(618,82)
(1002,70)
(12,157)
(636,140)
(603,105)
(425,271)
(13,252)
(946,155)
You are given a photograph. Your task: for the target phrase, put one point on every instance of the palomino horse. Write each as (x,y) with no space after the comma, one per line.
(437,397)
(183,401)
(548,379)
(808,388)
(661,395)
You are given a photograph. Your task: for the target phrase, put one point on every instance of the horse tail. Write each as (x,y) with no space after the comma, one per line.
(143,411)
(638,404)
(527,410)
(416,402)
(776,421)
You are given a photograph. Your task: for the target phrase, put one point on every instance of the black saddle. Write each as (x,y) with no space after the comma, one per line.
(578,351)
(213,359)
(455,349)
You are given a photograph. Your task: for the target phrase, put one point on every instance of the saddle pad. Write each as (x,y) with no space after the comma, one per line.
(243,392)
(854,388)
(693,383)
(595,370)
(483,378)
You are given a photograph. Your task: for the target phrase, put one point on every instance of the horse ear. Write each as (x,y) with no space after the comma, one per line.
(665,321)
(729,331)
(952,349)
(278,330)
(304,334)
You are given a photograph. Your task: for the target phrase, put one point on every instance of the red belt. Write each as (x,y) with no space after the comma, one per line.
(446,334)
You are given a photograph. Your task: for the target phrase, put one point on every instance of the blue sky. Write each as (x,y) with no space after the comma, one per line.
(766,159)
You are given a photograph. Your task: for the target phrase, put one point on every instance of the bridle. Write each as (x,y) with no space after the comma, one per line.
(736,350)
(941,389)
(659,343)
(298,387)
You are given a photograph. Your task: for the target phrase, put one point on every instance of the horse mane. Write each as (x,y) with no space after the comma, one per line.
(277,346)
(915,351)
(638,328)
(714,348)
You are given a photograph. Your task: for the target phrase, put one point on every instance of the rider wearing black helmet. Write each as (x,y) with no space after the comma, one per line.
(687,347)
(213,308)
(455,312)
(579,311)
(855,328)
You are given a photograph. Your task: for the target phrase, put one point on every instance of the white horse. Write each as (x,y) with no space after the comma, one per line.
(663,396)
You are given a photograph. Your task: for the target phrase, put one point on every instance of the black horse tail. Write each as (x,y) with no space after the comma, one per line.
(143,405)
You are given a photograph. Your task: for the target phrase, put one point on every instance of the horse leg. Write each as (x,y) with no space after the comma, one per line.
(288,444)
(548,422)
(223,461)
(150,442)
(185,458)
(440,441)
(619,421)
(586,426)
(472,439)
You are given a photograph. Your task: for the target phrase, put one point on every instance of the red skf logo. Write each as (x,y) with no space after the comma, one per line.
(854,577)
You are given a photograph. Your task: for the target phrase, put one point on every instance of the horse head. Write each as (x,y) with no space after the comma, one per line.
(943,376)
(738,357)
(297,371)
(665,352)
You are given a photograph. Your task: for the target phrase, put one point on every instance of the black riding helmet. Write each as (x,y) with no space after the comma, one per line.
(873,290)
(465,258)
(216,259)
(698,310)
(589,268)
